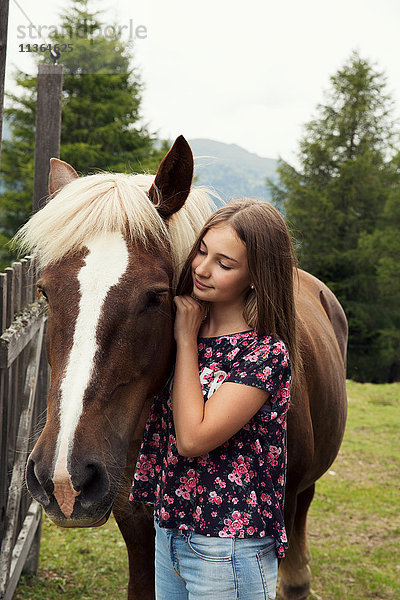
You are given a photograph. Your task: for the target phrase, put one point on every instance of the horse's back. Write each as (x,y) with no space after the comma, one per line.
(322,323)
(313,287)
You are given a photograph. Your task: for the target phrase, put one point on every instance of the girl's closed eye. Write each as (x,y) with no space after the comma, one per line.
(220,264)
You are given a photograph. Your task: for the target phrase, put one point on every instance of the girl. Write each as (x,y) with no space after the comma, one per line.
(213,457)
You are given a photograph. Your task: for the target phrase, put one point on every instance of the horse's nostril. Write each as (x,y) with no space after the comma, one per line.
(94,483)
(39,491)
(88,483)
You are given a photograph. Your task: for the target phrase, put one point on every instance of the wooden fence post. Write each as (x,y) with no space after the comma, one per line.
(48,128)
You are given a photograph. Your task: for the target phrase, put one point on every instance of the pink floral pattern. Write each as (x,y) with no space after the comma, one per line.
(238,489)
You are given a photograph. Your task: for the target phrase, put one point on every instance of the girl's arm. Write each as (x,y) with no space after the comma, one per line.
(199,426)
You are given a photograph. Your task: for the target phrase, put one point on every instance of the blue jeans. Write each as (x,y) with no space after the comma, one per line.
(190,566)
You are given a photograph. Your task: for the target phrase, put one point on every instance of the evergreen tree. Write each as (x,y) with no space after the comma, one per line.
(382,250)
(338,196)
(101,127)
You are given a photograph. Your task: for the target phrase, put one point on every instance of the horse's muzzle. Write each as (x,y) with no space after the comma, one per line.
(81,499)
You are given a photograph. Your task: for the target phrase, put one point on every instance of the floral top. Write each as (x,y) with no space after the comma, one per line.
(237,489)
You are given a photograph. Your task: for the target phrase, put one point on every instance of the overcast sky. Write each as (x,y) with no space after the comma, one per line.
(250,73)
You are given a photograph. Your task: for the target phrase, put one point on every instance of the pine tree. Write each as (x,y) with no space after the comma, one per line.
(338,196)
(101,121)
(382,250)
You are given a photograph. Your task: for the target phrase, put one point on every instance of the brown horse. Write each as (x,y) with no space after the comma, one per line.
(111,247)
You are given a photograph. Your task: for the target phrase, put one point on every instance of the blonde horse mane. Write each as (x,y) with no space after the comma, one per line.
(108,202)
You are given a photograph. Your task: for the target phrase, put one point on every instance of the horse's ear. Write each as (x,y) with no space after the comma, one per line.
(60,174)
(173,179)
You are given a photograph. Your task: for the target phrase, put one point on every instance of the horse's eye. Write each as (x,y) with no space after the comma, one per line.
(154,299)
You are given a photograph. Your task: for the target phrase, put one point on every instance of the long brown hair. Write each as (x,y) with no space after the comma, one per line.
(269,307)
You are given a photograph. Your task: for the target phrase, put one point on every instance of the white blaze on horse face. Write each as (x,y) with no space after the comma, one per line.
(105,264)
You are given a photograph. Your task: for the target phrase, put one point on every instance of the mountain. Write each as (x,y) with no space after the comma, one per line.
(231,170)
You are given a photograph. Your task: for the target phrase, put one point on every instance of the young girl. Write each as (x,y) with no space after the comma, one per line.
(213,457)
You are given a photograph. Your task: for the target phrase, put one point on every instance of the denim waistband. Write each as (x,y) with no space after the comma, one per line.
(187,532)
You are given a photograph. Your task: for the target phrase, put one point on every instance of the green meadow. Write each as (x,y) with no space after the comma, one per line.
(353,526)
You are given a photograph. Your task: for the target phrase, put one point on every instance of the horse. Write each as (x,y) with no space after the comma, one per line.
(110,248)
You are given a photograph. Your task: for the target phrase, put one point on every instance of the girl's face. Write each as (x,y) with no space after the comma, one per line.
(220,264)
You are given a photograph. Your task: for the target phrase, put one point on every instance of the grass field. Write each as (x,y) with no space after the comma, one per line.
(353,525)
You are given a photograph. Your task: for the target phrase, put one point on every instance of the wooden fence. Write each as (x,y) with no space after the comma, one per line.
(24,372)
(24,376)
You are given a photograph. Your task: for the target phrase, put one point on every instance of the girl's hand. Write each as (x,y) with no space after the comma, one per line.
(188,318)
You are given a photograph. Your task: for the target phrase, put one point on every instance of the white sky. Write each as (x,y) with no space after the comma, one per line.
(249,73)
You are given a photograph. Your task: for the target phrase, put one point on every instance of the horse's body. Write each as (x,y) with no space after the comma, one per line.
(110,281)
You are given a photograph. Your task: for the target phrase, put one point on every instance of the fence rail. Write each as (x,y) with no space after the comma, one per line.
(24,376)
